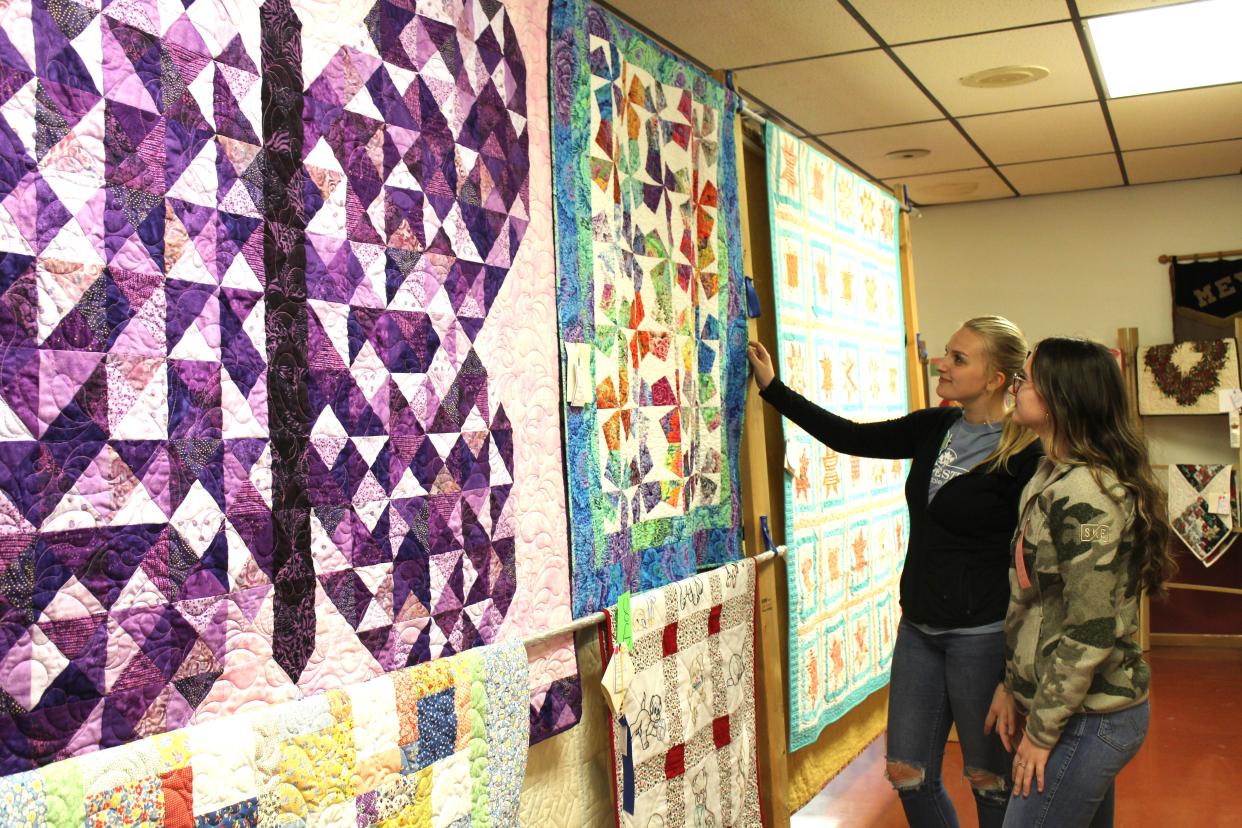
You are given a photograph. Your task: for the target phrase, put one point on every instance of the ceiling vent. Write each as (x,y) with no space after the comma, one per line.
(907,154)
(1001,77)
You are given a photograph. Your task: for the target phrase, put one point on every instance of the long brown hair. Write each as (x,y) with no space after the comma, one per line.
(1092,425)
(1006,350)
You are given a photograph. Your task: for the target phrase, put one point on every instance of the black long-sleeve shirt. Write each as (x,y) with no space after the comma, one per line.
(957,559)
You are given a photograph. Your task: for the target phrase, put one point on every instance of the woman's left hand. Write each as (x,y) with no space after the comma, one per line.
(761,364)
(1028,767)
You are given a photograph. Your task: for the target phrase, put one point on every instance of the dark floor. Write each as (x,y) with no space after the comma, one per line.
(1185,775)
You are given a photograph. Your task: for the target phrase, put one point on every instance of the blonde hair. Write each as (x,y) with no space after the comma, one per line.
(1006,350)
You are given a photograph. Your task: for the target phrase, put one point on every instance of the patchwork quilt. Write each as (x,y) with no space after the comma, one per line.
(274,419)
(841,344)
(1183,378)
(690,755)
(649,300)
(1203,508)
(441,744)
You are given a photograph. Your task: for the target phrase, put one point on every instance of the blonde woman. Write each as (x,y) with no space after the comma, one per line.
(1092,537)
(969,465)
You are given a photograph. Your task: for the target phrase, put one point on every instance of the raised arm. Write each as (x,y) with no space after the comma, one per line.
(888,438)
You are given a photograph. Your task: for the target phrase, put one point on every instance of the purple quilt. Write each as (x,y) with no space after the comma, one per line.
(261,432)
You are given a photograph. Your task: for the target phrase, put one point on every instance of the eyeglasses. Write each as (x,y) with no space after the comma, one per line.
(1016,383)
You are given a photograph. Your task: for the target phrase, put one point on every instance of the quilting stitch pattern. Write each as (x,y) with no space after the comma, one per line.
(691,704)
(188,196)
(649,282)
(841,344)
(441,744)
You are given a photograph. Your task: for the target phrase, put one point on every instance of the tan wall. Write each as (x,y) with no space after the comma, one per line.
(1079,264)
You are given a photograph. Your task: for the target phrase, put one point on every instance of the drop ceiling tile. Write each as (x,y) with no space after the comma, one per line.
(951,187)
(1194,161)
(1184,117)
(729,34)
(1091,8)
(839,93)
(1038,134)
(926,19)
(1064,175)
(869,148)
(940,65)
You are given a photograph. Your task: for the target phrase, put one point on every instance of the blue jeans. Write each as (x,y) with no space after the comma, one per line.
(939,680)
(1080,773)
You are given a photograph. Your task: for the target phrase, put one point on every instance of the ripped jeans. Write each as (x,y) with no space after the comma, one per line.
(937,681)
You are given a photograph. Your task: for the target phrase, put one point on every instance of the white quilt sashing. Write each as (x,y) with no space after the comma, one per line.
(1203,508)
(437,745)
(690,709)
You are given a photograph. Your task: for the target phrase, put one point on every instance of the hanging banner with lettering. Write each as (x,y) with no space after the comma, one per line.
(1212,289)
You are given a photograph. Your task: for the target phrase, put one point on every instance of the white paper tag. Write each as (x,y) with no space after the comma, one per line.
(1235,430)
(1229,399)
(579,388)
(617,679)
(1221,506)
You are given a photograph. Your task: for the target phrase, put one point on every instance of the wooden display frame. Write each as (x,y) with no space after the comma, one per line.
(1127,343)
(785,775)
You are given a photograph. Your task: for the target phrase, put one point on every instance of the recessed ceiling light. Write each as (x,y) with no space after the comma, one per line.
(907,154)
(1171,47)
(1000,77)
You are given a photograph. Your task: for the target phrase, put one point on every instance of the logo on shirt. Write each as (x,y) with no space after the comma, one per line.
(944,470)
(1089,532)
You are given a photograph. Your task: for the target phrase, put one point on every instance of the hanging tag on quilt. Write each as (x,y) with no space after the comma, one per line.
(753,309)
(1229,399)
(625,629)
(791,463)
(627,766)
(579,388)
(1235,430)
(1221,505)
(617,679)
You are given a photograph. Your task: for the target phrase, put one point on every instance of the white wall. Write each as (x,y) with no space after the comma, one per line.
(1079,264)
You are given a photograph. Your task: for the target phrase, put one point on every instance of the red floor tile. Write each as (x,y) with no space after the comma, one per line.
(1185,775)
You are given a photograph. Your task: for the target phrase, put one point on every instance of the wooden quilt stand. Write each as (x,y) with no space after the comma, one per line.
(1127,343)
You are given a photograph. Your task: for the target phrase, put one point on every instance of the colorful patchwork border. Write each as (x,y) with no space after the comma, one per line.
(440,744)
(650,285)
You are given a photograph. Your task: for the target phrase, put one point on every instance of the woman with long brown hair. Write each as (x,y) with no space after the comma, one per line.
(1092,536)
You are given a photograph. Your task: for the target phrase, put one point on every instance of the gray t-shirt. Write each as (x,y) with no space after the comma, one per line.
(965,444)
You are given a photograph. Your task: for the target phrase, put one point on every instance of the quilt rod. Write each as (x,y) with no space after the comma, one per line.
(588,621)
(1164,258)
(747,112)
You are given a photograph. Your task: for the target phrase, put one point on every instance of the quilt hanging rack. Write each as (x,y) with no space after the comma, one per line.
(588,621)
(1165,258)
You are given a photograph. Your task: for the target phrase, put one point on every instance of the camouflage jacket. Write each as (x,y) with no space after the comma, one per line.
(1071,634)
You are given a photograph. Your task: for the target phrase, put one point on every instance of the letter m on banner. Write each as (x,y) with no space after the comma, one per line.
(1207,296)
